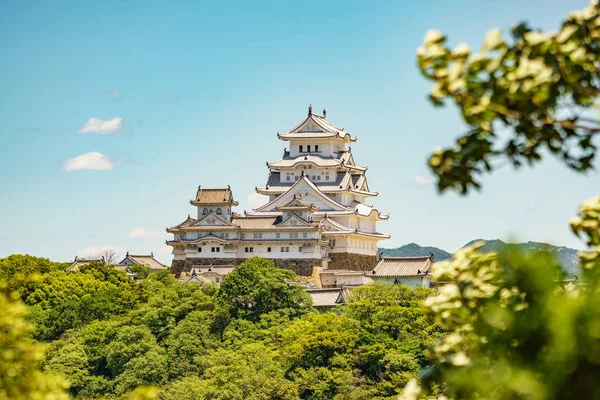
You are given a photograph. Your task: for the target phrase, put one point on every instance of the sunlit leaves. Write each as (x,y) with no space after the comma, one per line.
(536,86)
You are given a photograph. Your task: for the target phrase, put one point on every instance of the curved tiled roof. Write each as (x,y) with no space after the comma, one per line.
(403,266)
(214,196)
(322,128)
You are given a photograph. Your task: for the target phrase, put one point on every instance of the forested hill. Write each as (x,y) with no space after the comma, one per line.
(414,250)
(567,256)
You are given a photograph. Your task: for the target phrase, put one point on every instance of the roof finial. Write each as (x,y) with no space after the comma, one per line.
(324,113)
(151,254)
(127,255)
(310,109)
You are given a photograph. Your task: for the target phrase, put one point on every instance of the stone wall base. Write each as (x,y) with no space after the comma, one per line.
(301,266)
(352,261)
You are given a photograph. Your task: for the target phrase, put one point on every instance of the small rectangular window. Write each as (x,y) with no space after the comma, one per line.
(277,235)
(268,249)
(251,249)
(287,178)
(301,149)
(305,235)
(282,249)
(257,235)
(317,148)
(199,249)
(287,249)
(300,249)
(294,235)
(308,148)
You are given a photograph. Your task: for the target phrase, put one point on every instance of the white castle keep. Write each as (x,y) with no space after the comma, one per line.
(316,215)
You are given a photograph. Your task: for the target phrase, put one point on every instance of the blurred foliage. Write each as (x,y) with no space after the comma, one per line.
(513,330)
(21,377)
(518,98)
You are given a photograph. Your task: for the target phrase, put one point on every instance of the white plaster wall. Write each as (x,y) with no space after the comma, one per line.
(261,251)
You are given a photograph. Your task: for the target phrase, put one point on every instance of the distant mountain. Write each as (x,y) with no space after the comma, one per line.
(567,256)
(414,250)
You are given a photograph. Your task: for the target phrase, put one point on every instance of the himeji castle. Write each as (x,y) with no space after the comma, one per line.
(317,213)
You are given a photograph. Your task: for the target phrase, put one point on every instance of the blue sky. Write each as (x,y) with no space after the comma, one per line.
(197,91)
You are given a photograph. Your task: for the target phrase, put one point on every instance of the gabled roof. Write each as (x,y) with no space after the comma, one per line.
(328,297)
(213,214)
(296,204)
(214,197)
(316,126)
(403,266)
(79,262)
(314,190)
(332,225)
(294,217)
(189,221)
(143,259)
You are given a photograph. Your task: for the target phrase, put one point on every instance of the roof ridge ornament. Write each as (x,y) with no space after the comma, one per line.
(324,113)
(310,109)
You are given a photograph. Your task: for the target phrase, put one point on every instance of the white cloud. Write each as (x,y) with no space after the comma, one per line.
(421,180)
(533,207)
(145,233)
(91,160)
(103,127)
(256,200)
(94,251)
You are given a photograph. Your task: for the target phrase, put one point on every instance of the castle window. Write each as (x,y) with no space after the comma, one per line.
(317,148)
(199,249)
(285,249)
(332,243)
(308,148)
(294,235)
(205,211)
(215,249)
(300,249)
(249,249)
(277,235)
(301,149)
(268,249)
(257,235)
(219,212)
(305,235)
